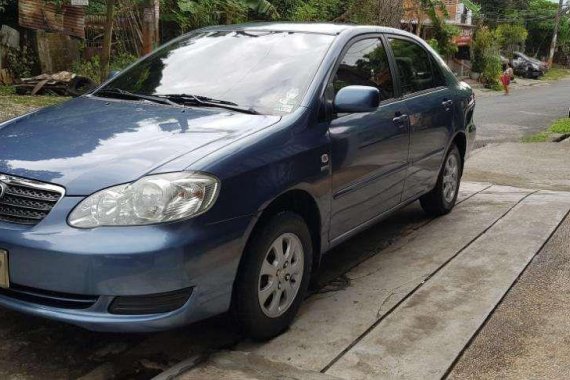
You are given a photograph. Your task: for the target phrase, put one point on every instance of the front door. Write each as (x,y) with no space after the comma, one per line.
(429,104)
(369,150)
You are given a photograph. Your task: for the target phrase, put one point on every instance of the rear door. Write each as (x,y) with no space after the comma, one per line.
(429,104)
(369,150)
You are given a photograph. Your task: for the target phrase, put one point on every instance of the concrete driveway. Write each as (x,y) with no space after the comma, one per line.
(402,300)
(410,310)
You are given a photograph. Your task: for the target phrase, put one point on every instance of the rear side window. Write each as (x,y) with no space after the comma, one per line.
(439,78)
(414,66)
(366,64)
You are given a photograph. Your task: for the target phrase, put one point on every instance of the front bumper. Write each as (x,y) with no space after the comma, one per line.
(124,261)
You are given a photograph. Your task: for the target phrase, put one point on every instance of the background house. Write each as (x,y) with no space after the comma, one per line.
(458,14)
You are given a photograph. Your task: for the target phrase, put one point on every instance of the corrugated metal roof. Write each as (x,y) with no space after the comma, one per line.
(65,19)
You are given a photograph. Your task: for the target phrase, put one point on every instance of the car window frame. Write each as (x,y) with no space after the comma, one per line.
(330,114)
(433,67)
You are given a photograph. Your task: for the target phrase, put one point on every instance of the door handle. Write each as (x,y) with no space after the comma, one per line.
(401,120)
(447,104)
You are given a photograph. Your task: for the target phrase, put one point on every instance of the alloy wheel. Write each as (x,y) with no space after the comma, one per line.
(450,178)
(281,275)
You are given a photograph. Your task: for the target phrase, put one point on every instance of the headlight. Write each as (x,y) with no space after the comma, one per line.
(150,200)
(535,67)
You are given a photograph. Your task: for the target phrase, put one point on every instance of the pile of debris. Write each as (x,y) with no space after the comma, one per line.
(63,83)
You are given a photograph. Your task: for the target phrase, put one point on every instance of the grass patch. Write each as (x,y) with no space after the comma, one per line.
(7,90)
(561,126)
(16,105)
(31,101)
(556,73)
(537,137)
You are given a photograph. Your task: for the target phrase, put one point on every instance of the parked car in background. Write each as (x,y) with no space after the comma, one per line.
(213,174)
(528,67)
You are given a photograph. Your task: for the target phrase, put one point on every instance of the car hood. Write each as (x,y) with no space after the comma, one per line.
(89,143)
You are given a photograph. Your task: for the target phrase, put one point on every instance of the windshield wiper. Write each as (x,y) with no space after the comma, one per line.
(127,94)
(206,101)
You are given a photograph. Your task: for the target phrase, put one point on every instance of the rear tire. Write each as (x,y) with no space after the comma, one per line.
(273,277)
(442,199)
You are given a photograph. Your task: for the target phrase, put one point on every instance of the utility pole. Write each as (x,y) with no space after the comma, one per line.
(555,36)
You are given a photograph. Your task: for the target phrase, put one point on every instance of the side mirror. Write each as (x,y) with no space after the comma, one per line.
(112,74)
(357,99)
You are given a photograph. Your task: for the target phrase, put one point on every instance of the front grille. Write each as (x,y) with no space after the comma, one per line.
(24,201)
(49,298)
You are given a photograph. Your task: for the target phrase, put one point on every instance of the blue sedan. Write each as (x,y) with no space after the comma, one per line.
(213,175)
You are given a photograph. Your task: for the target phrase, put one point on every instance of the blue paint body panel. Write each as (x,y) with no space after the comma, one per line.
(91,143)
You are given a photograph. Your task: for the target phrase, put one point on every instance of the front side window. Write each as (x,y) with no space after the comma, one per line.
(265,71)
(366,64)
(414,66)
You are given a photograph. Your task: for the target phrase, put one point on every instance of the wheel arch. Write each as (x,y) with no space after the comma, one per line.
(300,202)
(459,140)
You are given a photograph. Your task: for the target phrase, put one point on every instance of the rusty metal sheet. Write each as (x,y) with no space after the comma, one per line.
(65,19)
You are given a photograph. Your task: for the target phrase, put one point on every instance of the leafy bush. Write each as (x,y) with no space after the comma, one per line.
(121,61)
(434,44)
(493,70)
(486,58)
(484,43)
(192,14)
(21,62)
(7,90)
(88,68)
(92,68)
(316,10)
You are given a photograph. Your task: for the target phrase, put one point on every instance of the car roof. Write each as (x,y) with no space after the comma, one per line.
(305,27)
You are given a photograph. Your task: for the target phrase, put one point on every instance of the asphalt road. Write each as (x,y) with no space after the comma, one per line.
(526,111)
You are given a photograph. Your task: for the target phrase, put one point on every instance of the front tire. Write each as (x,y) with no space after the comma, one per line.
(441,200)
(273,277)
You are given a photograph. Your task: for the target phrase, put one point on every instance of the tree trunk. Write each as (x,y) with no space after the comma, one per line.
(107,40)
(150,25)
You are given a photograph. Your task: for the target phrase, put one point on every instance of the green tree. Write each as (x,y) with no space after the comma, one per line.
(375,12)
(494,12)
(443,32)
(317,10)
(193,14)
(511,37)
(540,25)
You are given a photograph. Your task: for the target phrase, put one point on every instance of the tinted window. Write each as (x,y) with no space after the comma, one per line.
(414,66)
(267,71)
(366,64)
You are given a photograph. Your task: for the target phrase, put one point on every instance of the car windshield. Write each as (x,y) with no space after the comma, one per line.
(263,72)
(523,56)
